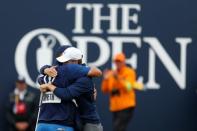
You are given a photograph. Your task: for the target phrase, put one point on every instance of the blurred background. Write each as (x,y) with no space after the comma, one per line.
(157,37)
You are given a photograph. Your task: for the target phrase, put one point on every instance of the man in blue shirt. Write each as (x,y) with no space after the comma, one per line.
(58,109)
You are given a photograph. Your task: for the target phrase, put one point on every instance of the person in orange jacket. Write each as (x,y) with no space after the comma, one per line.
(120,85)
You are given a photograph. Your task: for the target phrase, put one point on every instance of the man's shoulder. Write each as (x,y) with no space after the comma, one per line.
(129,70)
(68,67)
(63,69)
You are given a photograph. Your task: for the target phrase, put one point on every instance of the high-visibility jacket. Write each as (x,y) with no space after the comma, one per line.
(119,86)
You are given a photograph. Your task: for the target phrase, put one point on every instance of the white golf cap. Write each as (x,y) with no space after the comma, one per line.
(70,53)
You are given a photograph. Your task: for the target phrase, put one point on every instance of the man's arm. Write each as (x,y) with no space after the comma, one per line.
(9,115)
(91,71)
(34,110)
(107,82)
(94,72)
(76,71)
(81,86)
(129,82)
(42,69)
(48,70)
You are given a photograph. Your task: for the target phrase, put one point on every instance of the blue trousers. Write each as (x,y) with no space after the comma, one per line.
(53,127)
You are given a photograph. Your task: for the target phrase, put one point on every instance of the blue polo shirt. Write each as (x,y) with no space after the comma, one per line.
(61,112)
(83,92)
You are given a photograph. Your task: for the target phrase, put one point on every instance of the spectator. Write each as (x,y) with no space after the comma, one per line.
(120,84)
(22,108)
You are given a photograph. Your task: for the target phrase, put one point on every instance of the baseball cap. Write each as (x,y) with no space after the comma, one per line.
(61,49)
(119,57)
(70,53)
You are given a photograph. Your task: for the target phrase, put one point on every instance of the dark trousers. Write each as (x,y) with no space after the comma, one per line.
(122,118)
